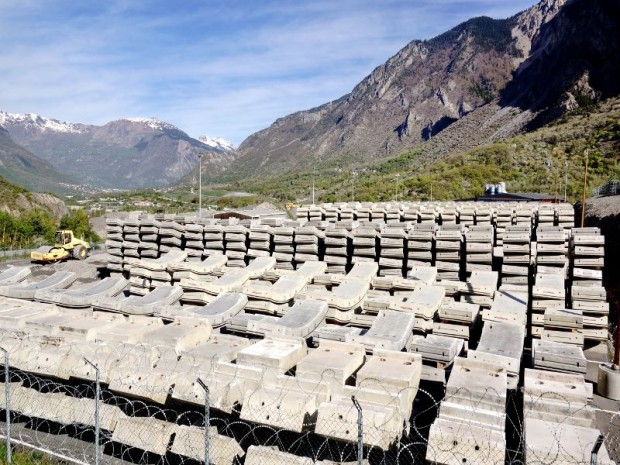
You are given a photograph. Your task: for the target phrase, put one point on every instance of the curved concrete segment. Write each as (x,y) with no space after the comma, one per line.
(300,321)
(218,312)
(59,280)
(145,305)
(391,330)
(14,274)
(85,295)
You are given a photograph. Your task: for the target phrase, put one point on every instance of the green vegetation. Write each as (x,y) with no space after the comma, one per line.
(25,457)
(37,227)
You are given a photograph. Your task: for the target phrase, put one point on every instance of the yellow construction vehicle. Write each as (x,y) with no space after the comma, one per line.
(67,245)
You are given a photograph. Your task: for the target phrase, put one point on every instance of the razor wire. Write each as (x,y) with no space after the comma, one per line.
(54,402)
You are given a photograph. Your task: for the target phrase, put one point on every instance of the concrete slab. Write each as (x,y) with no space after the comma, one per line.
(452,443)
(260,455)
(83,296)
(300,321)
(436,348)
(332,362)
(549,442)
(278,354)
(189,442)
(390,330)
(182,334)
(14,274)
(145,433)
(22,290)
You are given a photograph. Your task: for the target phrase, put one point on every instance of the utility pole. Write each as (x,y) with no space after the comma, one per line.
(200,185)
(397,185)
(565,178)
(585,186)
(313,174)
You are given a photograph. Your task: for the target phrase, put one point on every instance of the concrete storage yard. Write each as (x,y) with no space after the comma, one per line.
(463,332)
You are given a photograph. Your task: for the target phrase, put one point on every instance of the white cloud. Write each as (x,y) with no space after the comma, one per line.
(215,67)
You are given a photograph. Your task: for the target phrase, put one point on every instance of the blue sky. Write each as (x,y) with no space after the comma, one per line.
(220,68)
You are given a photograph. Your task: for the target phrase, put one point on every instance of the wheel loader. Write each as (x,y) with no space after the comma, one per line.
(67,246)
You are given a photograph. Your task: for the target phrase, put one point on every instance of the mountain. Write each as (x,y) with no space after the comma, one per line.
(125,154)
(16,200)
(19,166)
(484,80)
(217,143)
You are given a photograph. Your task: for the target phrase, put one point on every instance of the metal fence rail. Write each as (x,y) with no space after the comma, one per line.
(609,188)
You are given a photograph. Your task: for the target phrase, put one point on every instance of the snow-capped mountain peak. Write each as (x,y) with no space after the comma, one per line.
(152,122)
(40,122)
(217,143)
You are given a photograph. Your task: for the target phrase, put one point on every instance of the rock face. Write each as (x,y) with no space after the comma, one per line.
(511,70)
(127,153)
(21,167)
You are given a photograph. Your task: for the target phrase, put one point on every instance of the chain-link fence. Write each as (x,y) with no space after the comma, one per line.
(117,402)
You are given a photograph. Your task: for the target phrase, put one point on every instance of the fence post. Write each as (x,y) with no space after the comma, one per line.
(7,402)
(207,418)
(360,431)
(595,449)
(97,395)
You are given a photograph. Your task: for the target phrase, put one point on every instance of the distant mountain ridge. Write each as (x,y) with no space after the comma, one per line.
(127,153)
(499,77)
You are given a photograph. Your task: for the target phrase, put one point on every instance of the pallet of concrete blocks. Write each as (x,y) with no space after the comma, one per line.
(301,212)
(480,288)
(524,214)
(565,215)
(393,213)
(548,291)
(114,244)
(587,247)
(347,212)
(149,238)
(470,427)
(438,354)
(261,241)
(411,213)
(265,297)
(545,215)
(424,303)
(551,247)
(504,215)
(563,325)
(284,247)
(131,238)
(365,242)
(315,213)
(591,302)
(377,213)
(448,214)
(428,214)
(557,397)
(309,244)
(331,213)
(562,442)
(479,242)
(484,215)
(392,250)
(214,239)
(457,319)
(501,344)
(516,255)
(194,241)
(236,244)
(362,212)
(448,252)
(467,215)
(420,244)
(171,234)
(338,244)
(510,304)
(558,356)
(386,386)
(343,300)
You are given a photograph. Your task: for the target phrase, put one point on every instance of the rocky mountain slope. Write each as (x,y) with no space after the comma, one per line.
(125,154)
(481,81)
(19,166)
(16,200)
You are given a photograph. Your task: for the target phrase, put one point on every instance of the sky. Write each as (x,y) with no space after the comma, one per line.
(222,68)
